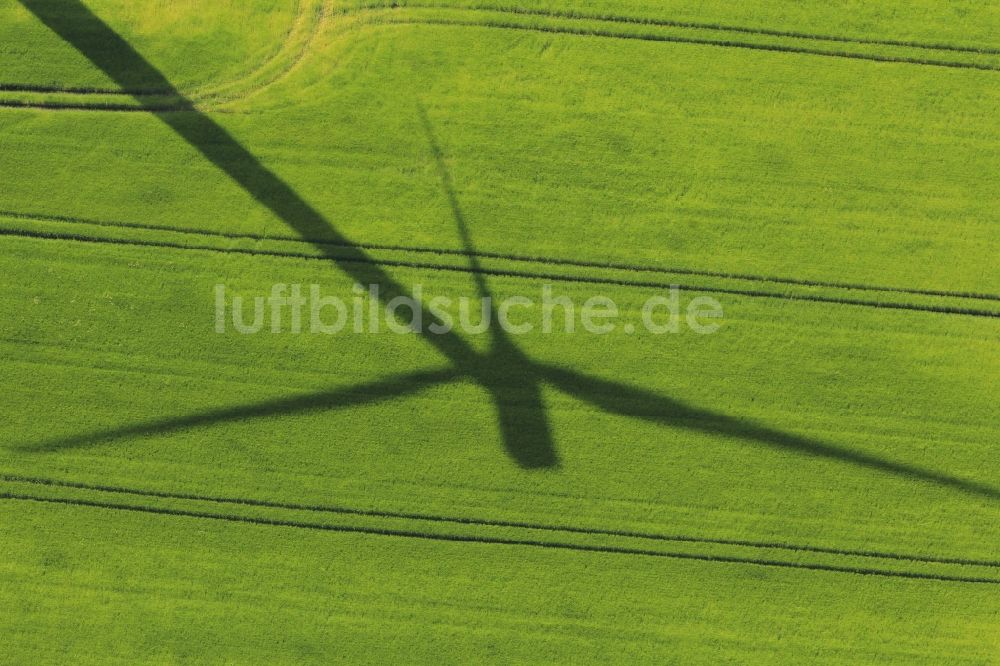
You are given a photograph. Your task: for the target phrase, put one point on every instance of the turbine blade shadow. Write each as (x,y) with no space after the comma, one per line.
(81,28)
(621,399)
(456,210)
(352,396)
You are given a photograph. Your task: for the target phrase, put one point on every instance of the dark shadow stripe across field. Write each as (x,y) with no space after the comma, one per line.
(512,379)
(369,393)
(497,541)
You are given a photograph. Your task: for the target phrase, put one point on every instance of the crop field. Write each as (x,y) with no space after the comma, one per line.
(816,481)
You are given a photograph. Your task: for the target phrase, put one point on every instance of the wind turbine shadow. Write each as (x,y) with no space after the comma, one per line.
(526,438)
(369,393)
(624,400)
(513,380)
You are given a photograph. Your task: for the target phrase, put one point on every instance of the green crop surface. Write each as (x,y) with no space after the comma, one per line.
(190,473)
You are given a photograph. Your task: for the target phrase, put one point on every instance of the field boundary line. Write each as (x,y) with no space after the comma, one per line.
(503,256)
(554,277)
(460,520)
(469,539)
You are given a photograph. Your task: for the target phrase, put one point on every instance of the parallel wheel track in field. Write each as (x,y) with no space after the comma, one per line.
(715,27)
(504,256)
(497,540)
(396,14)
(463,520)
(530,275)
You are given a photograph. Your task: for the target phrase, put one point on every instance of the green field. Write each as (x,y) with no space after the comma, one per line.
(815,482)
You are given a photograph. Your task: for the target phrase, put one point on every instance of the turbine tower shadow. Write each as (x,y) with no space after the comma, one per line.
(512,380)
